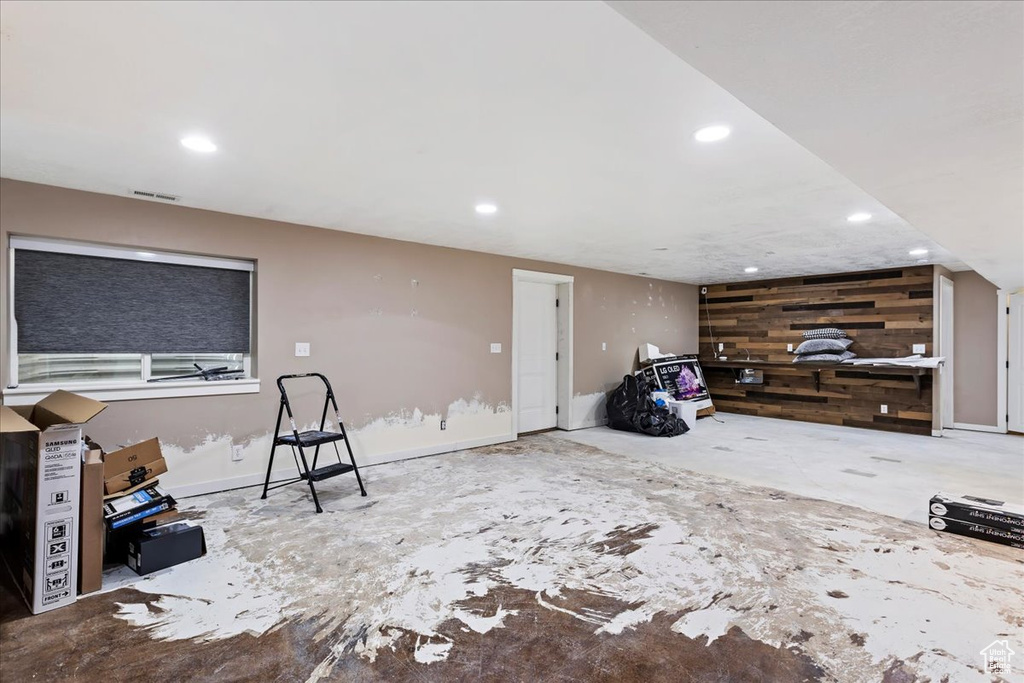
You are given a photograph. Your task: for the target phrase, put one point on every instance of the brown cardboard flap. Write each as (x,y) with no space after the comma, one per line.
(138,476)
(11,422)
(127,459)
(64,407)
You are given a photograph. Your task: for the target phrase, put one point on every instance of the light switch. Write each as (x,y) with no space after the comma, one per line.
(919,348)
(604,346)
(496,348)
(789,347)
(301,349)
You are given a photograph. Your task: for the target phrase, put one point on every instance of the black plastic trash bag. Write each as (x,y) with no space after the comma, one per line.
(622,404)
(631,409)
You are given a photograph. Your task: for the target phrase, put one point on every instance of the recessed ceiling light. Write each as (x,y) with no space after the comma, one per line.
(918,252)
(750,269)
(858,217)
(712,133)
(198,143)
(486,209)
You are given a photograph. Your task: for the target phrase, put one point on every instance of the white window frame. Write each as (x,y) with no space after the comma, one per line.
(29,394)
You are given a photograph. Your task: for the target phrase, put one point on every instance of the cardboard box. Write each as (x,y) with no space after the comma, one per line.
(1014,539)
(132,466)
(40,490)
(165,546)
(680,376)
(648,353)
(997,514)
(91,531)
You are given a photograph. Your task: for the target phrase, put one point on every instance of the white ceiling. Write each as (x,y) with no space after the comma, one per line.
(919,103)
(394,119)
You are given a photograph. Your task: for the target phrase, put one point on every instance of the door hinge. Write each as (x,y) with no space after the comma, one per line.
(556,303)
(556,411)
(556,355)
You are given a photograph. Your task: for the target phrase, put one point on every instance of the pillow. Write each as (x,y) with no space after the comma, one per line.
(824,333)
(824,345)
(825,357)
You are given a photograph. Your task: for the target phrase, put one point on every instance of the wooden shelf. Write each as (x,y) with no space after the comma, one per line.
(815,369)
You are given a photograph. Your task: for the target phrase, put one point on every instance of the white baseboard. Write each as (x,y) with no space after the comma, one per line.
(587,424)
(247,480)
(979,428)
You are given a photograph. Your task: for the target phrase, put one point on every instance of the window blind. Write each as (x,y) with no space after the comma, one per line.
(70,303)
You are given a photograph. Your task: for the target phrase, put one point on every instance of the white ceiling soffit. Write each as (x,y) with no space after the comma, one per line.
(395,119)
(919,103)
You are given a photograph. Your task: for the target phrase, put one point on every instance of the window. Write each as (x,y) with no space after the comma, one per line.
(110,322)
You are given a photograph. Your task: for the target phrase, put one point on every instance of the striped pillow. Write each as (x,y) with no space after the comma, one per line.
(824,333)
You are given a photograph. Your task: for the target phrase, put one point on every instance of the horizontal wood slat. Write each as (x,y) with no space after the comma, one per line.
(884,312)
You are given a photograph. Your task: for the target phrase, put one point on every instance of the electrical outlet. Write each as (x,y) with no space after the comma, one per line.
(301,349)
(721,347)
(789,347)
(919,348)
(604,346)
(237,453)
(495,348)
(885,409)
(444,425)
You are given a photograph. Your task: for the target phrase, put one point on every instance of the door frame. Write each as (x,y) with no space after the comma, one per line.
(1004,375)
(947,292)
(564,372)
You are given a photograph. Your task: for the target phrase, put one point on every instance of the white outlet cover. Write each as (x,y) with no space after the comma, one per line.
(919,348)
(301,349)
(237,453)
(604,346)
(496,348)
(885,409)
(789,347)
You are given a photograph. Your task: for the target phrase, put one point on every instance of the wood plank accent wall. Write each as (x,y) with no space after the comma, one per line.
(884,312)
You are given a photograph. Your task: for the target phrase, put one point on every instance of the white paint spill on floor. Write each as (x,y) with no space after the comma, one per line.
(556,518)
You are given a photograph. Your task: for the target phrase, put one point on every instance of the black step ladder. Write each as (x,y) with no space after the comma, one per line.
(310,439)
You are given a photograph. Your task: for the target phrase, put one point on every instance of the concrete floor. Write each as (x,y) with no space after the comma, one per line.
(549,559)
(892,474)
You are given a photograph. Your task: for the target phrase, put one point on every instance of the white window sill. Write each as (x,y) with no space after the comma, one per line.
(30,394)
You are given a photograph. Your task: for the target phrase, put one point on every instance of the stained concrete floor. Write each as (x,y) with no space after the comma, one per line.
(893,474)
(549,559)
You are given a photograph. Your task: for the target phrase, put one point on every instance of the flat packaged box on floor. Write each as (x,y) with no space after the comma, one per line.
(1014,539)
(165,546)
(997,514)
(40,490)
(146,502)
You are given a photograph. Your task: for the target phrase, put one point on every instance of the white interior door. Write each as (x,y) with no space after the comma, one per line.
(537,370)
(1015,371)
(946,350)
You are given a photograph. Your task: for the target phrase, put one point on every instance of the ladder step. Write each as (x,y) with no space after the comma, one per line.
(309,439)
(328,471)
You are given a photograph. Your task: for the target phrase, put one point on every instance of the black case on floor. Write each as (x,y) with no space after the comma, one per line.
(165,546)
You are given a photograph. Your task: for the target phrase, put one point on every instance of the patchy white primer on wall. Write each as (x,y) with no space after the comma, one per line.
(560,520)
(208,467)
(589,410)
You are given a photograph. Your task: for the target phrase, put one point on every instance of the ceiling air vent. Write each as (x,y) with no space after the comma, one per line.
(157,196)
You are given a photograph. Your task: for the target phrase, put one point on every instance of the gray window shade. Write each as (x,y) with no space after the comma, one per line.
(66,303)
